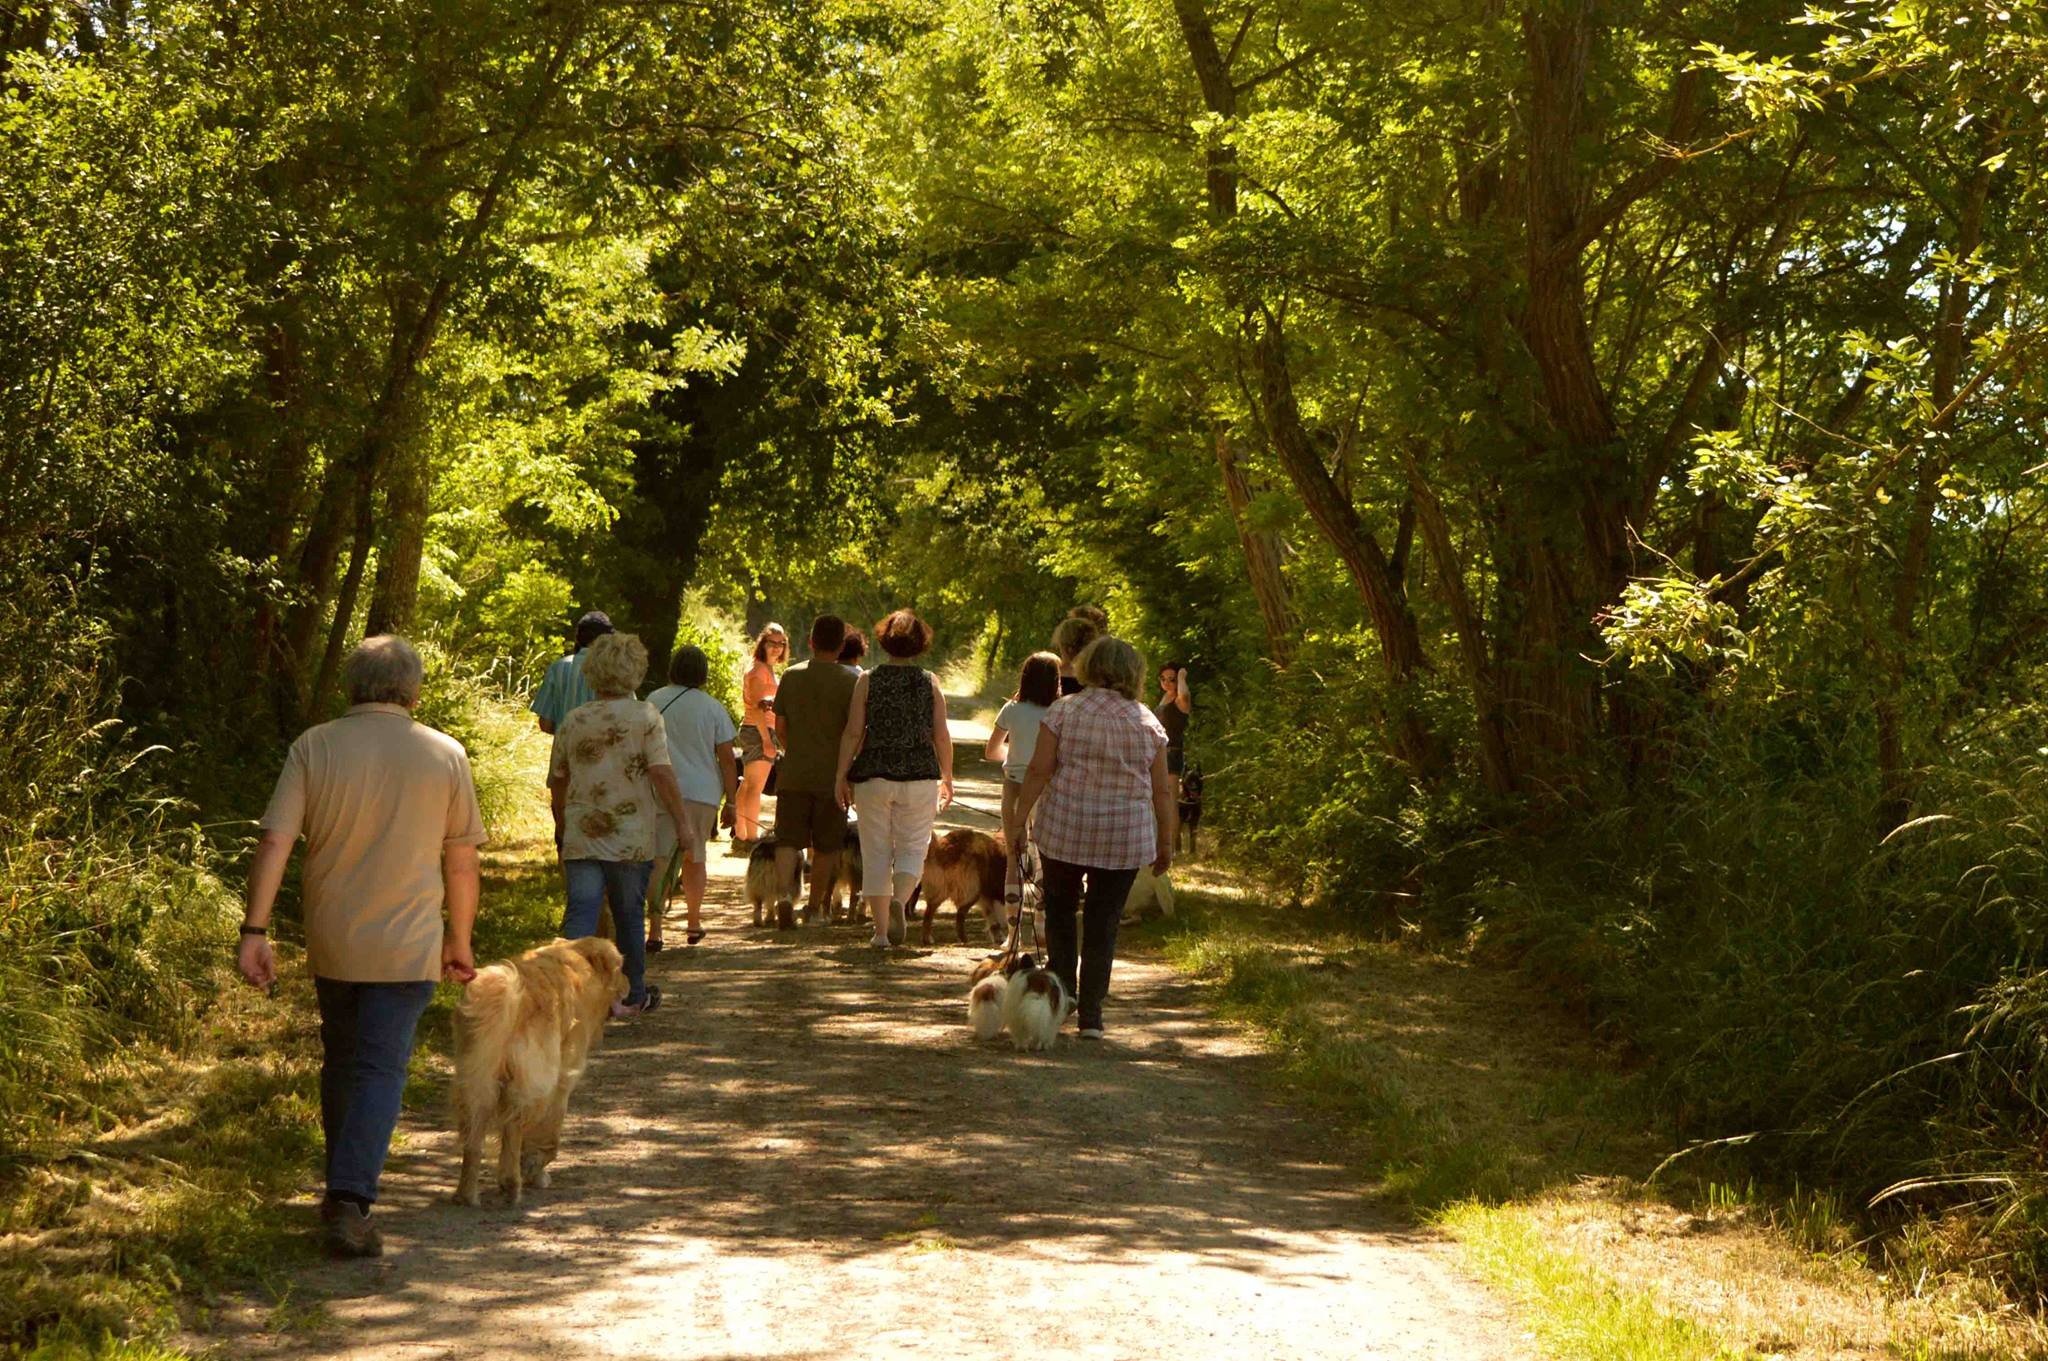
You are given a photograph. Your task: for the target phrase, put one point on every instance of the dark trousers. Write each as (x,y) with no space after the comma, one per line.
(1100,895)
(366,1033)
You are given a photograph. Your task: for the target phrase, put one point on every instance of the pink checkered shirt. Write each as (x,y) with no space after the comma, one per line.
(1098,809)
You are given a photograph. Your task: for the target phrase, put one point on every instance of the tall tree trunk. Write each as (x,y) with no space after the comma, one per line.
(1559,587)
(414,330)
(396,594)
(345,603)
(1386,604)
(283,486)
(1334,515)
(1895,778)
(319,552)
(1559,40)
(1496,762)
(1261,548)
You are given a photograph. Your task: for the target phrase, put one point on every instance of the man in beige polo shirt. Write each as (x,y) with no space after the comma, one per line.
(391,823)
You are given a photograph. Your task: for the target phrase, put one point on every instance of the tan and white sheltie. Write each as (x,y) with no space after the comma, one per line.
(1034,1005)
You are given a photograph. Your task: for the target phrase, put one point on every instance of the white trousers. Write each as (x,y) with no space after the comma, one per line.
(896,819)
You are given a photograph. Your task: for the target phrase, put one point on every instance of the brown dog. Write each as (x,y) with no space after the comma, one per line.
(523,1033)
(964,868)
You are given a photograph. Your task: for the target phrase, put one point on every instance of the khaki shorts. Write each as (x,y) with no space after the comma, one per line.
(703,820)
(807,818)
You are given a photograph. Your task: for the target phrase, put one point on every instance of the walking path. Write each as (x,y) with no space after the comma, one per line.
(806,1153)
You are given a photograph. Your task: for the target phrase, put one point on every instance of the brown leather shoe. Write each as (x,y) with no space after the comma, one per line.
(349,1232)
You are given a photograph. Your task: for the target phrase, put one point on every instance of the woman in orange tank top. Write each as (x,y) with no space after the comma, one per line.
(757,733)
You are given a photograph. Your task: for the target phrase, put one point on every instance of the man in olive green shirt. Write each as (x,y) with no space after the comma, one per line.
(810,715)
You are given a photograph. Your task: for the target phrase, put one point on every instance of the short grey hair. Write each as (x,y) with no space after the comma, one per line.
(614,665)
(384,670)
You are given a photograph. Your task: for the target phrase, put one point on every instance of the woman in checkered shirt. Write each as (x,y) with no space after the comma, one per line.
(1109,809)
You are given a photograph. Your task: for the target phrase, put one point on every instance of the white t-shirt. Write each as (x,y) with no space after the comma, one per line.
(1020,721)
(697,726)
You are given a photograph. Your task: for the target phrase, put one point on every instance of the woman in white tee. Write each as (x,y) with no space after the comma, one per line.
(1011,741)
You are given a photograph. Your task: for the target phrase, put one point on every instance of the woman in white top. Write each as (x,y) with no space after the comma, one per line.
(700,735)
(1011,741)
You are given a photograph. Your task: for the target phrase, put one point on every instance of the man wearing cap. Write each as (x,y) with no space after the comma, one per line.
(563,688)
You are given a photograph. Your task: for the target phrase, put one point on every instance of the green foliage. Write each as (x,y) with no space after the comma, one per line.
(726,652)
(1589,455)
(508,754)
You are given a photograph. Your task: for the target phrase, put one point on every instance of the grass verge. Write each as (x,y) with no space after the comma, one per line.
(1477,1108)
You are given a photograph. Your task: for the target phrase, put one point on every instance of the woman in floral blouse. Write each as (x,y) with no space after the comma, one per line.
(609,778)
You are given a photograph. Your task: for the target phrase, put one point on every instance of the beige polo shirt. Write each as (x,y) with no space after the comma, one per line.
(378,798)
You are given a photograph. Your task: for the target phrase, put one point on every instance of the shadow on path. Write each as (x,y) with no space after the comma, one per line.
(806,1153)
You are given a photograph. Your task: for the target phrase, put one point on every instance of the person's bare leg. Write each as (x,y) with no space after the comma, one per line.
(695,877)
(1013,841)
(824,869)
(899,923)
(746,815)
(657,903)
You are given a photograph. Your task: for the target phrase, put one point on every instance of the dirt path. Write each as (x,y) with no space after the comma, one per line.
(807,1154)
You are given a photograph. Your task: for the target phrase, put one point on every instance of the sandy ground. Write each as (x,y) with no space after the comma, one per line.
(806,1153)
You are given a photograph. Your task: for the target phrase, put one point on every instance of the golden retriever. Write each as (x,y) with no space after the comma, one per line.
(523,1033)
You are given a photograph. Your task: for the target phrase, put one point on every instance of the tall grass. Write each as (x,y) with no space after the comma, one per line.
(111,913)
(483,708)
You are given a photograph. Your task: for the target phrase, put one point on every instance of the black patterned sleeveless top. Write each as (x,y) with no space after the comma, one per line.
(898,745)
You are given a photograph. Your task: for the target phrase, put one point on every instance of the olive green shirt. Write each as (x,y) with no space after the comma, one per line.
(813,703)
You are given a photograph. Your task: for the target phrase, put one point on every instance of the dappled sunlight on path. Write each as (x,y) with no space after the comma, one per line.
(806,1153)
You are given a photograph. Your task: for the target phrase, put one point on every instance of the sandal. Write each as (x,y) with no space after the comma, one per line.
(623,1012)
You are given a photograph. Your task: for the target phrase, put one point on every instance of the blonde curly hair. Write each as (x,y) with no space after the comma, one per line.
(615,664)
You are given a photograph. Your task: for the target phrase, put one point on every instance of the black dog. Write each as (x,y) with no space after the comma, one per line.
(1190,805)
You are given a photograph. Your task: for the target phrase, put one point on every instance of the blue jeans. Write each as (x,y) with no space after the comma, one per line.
(624,882)
(366,1032)
(1101,912)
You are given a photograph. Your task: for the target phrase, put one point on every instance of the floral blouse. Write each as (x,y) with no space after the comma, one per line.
(603,750)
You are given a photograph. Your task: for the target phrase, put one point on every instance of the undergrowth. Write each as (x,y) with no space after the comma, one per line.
(1809,1004)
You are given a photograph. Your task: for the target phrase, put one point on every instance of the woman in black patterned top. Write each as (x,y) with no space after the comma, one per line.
(896,769)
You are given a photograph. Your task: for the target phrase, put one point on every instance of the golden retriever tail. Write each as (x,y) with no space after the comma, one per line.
(484,1026)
